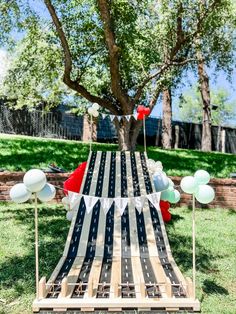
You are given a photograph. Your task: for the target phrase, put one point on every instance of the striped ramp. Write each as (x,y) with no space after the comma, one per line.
(114,262)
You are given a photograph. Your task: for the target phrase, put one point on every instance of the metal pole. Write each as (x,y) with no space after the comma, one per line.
(36,246)
(194,250)
(144,134)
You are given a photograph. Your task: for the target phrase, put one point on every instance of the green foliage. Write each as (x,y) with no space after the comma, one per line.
(190,106)
(21,153)
(146,34)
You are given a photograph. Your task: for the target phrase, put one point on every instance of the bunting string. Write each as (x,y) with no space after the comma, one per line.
(106,202)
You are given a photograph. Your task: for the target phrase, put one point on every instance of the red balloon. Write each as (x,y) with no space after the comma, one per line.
(73,183)
(165,205)
(147,111)
(140,116)
(166,216)
(140,109)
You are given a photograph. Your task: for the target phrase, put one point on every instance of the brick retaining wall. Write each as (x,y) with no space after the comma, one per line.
(225,189)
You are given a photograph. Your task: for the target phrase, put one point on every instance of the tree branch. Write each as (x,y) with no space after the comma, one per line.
(114,53)
(162,69)
(68,64)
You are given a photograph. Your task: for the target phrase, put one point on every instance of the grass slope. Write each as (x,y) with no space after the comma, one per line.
(23,153)
(216,258)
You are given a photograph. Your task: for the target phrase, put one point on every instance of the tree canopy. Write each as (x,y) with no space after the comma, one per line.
(115,53)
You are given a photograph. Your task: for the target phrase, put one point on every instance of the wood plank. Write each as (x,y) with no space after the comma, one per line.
(116,260)
(78,262)
(72,226)
(153,252)
(166,241)
(95,271)
(134,244)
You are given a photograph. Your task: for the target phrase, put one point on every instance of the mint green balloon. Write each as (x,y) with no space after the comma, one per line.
(204,194)
(174,197)
(202,177)
(188,184)
(165,195)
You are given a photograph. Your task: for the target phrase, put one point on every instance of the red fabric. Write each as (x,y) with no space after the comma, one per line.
(73,183)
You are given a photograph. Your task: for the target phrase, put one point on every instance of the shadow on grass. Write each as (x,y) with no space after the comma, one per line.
(18,272)
(210,287)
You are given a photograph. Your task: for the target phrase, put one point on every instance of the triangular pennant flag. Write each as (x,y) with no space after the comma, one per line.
(90,201)
(135,115)
(128,117)
(106,204)
(121,204)
(139,202)
(104,115)
(154,198)
(74,199)
(112,117)
(119,118)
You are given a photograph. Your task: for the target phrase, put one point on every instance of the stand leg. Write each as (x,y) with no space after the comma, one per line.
(36,246)
(194,250)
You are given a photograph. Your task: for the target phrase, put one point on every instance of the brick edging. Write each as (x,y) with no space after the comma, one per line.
(225,189)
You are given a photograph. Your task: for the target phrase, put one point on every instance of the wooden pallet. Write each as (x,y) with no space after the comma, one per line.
(116,263)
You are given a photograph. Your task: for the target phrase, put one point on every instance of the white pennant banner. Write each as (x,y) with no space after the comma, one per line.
(106,204)
(90,201)
(121,204)
(128,117)
(104,115)
(74,200)
(112,117)
(139,203)
(119,118)
(154,198)
(135,115)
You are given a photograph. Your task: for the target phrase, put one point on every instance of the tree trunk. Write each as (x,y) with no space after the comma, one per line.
(206,100)
(166,119)
(127,132)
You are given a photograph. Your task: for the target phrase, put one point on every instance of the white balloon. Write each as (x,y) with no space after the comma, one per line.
(95,106)
(95,113)
(69,215)
(47,193)
(171,183)
(202,177)
(90,110)
(65,200)
(19,193)
(188,184)
(158,165)
(34,180)
(204,194)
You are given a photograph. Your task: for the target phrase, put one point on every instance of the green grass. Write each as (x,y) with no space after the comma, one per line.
(216,253)
(19,153)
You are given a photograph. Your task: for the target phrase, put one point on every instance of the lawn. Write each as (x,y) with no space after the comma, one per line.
(21,153)
(216,253)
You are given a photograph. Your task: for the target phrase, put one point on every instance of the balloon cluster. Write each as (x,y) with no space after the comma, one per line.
(164,185)
(73,184)
(142,112)
(197,185)
(34,181)
(93,110)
